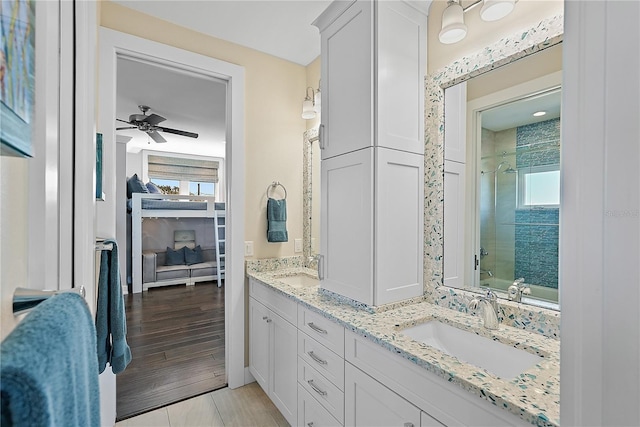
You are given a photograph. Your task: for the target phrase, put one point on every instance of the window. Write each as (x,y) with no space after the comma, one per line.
(201,188)
(167,186)
(539,186)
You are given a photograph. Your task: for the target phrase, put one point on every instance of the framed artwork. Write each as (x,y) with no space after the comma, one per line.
(17,76)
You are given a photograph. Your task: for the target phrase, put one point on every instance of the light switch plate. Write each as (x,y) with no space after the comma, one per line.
(297,246)
(248,248)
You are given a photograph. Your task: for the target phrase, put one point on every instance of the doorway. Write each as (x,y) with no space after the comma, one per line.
(111,214)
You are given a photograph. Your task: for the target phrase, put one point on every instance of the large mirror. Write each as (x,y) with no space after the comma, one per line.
(501,222)
(311,196)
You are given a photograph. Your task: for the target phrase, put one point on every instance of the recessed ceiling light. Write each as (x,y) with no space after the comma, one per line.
(539,113)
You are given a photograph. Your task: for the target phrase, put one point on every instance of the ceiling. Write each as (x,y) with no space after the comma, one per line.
(279,28)
(520,112)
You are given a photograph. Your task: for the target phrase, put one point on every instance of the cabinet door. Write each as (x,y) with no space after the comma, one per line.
(347,81)
(401,68)
(369,403)
(259,343)
(399,243)
(346,220)
(454,221)
(284,357)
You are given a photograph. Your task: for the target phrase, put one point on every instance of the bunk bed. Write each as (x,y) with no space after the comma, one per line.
(154,205)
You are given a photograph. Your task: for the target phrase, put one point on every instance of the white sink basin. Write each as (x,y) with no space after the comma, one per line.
(497,358)
(300,281)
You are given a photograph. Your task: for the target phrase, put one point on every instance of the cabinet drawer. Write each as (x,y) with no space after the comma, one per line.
(329,396)
(323,330)
(311,413)
(279,304)
(320,357)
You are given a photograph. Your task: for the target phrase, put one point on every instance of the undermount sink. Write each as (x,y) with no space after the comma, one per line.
(300,281)
(497,358)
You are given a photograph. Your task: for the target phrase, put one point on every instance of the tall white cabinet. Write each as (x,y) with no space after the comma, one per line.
(372,140)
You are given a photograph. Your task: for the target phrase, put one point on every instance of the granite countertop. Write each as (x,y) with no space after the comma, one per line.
(533,396)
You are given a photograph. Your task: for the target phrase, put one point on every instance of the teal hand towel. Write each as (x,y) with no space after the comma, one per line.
(277,220)
(48,367)
(111,321)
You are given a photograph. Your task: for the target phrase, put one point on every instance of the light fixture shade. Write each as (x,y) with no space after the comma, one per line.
(317,102)
(307,109)
(453,27)
(492,10)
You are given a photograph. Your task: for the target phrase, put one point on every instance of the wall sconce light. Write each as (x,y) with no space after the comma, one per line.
(308,111)
(453,26)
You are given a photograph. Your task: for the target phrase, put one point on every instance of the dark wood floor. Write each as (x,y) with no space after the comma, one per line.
(176,336)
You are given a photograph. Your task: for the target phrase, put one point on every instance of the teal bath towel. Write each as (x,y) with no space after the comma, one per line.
(277,220)
(48,367)
(111,321)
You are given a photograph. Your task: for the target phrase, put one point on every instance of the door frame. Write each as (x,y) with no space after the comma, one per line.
(114,44)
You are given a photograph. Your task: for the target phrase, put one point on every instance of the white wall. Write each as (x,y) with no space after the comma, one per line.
(600,218)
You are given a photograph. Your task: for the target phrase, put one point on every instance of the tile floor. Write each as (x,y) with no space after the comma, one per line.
(243,407)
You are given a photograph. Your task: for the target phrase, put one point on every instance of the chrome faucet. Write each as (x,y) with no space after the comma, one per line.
(489,304)
(517,289)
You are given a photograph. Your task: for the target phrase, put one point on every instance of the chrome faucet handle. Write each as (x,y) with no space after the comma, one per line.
(519,282)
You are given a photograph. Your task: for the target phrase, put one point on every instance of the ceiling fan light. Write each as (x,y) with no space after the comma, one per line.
(492,10)
(307,109)
(453,27)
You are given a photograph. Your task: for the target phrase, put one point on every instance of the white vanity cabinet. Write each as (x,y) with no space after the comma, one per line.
(410,388)
(374,405)
(372,140)
(273,347)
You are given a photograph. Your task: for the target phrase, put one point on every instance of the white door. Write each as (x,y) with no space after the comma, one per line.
(259,343)
(399,221)
(347,80)
(370,404)
(284,368)
(347,225)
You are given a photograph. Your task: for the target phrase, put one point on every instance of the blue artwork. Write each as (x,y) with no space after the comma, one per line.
(17,75)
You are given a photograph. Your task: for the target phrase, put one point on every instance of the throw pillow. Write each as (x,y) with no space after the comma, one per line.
(193,256)
(135,185)
(174,257)
(153,188)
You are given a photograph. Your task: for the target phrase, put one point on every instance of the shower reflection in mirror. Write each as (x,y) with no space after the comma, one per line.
(511,184)
(518,198)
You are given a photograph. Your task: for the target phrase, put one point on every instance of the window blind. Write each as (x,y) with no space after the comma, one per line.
(180,169)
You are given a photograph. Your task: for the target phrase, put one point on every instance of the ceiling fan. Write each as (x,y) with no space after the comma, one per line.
(149,124)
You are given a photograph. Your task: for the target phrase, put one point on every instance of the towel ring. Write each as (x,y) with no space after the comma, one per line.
(273,186)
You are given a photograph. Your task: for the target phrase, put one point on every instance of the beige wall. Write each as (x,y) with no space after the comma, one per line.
(13,234)
(481,33)
(313,80)
(274,91)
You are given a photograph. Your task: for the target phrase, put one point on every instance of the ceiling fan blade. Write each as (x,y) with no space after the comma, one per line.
(178,132)
(124,121)
(154,119)
(130,127)
(156,136)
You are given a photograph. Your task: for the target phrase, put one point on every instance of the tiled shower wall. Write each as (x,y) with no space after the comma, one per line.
(537,230)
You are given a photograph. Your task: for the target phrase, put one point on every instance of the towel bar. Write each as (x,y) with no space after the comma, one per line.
(275,184)
(25,299)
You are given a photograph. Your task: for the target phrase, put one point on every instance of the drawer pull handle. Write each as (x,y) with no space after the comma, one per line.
(269,320)
(317,329)
(264,317)
(408,424)
(310,424)
(316,389)
(316,358)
